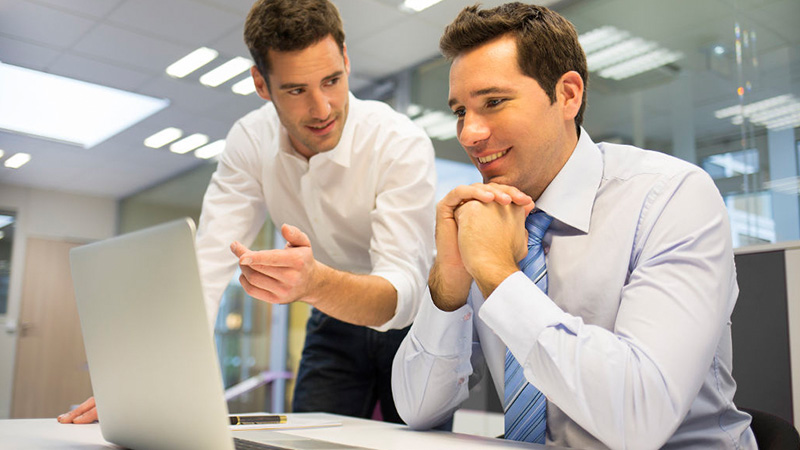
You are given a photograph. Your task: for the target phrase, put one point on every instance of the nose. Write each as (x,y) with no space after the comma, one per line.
(472,130)
(320,107)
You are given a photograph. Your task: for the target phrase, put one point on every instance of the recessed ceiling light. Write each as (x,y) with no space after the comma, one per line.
(226,71)
(2,153)
(616,54)
(17,160)
(163,137)
(67,110)
(188,143)
(211,150)
(418,5)
(776,113)
(244,87)
(191,62)
(719,50)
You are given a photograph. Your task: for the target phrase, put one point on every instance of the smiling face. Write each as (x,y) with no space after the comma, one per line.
(506,123)
(310,92)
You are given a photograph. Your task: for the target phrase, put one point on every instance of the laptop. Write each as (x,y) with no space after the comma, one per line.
(151,354)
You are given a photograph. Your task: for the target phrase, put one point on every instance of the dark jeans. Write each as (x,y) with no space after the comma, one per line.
(345,369)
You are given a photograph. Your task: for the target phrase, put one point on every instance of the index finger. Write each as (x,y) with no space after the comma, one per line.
(275,258)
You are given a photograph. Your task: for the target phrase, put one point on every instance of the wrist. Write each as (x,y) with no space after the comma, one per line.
(489,276)
(449,289)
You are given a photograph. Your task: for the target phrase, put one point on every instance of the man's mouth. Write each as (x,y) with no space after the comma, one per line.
(492,157)
(321,128)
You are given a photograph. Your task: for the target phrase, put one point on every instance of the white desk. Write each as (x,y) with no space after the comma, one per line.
(30,434)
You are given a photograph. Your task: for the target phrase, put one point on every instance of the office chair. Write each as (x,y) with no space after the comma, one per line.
(772,432)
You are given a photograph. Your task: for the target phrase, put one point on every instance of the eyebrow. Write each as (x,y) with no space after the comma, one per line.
(290,86)
(485,91)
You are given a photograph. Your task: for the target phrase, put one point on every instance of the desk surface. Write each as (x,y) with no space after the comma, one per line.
(25,434)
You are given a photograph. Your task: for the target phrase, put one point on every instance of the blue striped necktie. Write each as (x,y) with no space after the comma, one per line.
(524,406)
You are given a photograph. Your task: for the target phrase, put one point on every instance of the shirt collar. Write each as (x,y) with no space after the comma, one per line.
(569,198)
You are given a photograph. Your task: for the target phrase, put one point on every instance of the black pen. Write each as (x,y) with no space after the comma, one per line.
(256,420)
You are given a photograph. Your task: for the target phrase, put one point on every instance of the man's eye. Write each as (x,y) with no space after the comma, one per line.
(332,81)
(297,91)
(494,102)
(459,112)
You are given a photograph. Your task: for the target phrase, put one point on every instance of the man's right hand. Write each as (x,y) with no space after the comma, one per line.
(449,280)
(86,412)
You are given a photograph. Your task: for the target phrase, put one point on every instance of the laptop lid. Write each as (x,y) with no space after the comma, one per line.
(151,354)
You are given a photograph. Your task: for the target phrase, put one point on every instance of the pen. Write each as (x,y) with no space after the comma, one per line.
(256,420)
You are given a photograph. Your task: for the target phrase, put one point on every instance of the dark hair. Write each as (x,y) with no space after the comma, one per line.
(547,43)
(289,25)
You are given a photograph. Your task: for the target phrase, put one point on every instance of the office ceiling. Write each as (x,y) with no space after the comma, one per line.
(127,44)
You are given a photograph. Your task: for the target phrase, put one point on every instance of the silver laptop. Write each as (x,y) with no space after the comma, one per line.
(151,354)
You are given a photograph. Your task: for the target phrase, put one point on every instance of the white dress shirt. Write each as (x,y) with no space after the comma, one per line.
(631,345)
(367,205)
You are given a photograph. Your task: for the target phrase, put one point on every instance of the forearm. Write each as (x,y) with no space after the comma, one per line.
(433,365)
(365,300)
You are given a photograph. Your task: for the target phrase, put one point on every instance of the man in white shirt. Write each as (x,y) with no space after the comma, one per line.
(353,184)
(628,337)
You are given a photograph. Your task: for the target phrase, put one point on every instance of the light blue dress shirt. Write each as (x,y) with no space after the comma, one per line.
(632,346)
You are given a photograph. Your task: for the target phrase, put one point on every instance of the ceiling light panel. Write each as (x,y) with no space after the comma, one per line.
(244,87)
(418,5)
(163,137)
(17,160)
(192,62)
(189,143)
(776,113)
(226,71)
(68,110)
(211,150)
(616,54)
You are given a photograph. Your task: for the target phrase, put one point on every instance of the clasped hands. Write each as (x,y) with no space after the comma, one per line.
(282,275)
(480,235)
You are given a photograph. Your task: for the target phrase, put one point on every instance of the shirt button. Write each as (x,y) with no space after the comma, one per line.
(461,380)
(467,316)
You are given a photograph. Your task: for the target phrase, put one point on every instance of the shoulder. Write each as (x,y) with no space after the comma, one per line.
(653,171)
(378,119)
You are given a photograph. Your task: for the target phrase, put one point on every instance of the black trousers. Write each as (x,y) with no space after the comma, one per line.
(345,369)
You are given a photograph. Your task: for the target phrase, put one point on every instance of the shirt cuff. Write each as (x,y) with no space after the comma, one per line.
(407,301)
(443,333)
(518,311)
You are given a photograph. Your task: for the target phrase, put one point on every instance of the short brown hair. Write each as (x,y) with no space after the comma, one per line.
(547,43)
(289,25)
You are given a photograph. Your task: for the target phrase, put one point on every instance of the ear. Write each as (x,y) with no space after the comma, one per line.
(261,84)
(346,59)
(570,94)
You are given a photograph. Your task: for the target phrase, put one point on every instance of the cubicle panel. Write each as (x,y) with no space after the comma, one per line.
(760,332)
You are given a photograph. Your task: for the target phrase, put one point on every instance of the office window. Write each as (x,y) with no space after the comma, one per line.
(7,221)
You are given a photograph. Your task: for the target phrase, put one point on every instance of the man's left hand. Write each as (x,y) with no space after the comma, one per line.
(279,276)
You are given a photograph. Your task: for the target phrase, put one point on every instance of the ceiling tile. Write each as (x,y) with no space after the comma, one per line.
(131,49)
(98,72)
(26,55)
(41,24)
(181,21)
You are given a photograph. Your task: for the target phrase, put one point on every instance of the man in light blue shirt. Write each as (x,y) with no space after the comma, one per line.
(630,343)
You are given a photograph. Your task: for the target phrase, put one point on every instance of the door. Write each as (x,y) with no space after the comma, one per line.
(51,372)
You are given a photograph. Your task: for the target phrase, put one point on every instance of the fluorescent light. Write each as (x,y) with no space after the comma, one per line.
(616,54)
(418,5)
(776,113)
(244,87)
(191,62)
(642,63)
(17,160)
(226,71)
(601,37)
(163,137)
(67,110)
(188,143)
(211,150)
(2,153)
